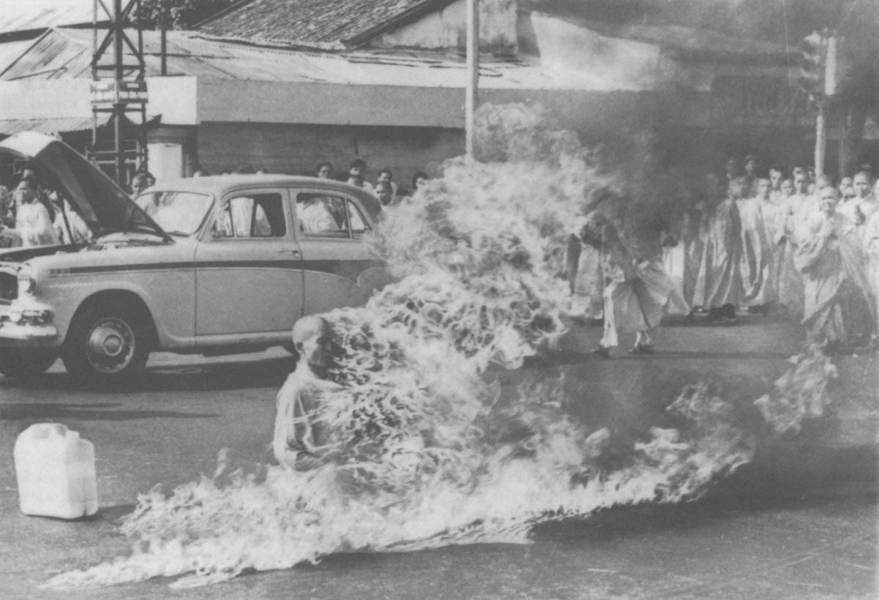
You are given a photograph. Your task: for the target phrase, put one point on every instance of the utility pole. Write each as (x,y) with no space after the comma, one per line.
(820,138)
(472,98)
(118,88)
(820,75)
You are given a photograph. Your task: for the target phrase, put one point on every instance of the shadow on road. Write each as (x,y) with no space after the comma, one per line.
(218,376)
(573,358)
(92,412)
(215,376)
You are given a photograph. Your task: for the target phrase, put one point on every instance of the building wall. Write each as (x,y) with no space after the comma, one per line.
(446,28)
(297,149)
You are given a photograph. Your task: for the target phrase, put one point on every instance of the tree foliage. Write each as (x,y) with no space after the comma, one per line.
(178,14)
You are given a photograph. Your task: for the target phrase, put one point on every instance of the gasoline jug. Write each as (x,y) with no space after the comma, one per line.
(55,470)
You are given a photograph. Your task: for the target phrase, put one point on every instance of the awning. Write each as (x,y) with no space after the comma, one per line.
(49,126)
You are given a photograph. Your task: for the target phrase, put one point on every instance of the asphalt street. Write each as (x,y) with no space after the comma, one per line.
(799,522)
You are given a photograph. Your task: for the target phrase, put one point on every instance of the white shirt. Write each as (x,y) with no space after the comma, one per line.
(33,224)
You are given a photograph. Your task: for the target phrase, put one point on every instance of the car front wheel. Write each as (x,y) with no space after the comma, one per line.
(107,345)
(25,364)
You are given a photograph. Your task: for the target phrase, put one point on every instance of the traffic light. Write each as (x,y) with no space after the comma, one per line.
(811,63)
(818,72)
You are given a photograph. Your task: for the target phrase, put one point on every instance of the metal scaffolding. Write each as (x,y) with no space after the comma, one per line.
(119,91)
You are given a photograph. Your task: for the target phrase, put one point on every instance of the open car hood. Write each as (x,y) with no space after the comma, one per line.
(101,203)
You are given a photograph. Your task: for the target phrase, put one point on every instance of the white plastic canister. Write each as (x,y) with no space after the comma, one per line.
(55,470)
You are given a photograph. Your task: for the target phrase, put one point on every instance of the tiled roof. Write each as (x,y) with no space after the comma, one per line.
(324,24)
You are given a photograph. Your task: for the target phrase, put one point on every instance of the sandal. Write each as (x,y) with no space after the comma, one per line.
(602,352)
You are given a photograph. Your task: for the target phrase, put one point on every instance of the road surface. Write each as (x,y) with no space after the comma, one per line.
(800,522)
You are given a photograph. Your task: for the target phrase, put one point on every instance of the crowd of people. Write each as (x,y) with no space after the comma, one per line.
(385,188)
(800,246)
(33,214)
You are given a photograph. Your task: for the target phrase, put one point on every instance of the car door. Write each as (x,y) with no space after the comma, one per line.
(248,277)
(337,268)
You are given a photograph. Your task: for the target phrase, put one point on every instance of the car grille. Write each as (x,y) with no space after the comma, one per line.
(8,287)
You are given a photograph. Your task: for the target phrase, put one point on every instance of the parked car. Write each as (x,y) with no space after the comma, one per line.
(207,265)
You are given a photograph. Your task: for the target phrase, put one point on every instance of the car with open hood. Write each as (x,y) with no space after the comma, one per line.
(206,265)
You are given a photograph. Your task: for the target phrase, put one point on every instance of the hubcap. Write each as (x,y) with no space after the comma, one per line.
(110,346)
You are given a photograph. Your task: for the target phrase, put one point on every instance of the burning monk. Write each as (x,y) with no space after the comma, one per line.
(301,440)
(636,289)
(838,309)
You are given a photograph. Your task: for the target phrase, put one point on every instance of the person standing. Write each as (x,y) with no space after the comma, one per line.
(803,204)
(871,247)
(750,264)
(7,207)
(636,289)
(32,220)
(865,198)
(324,170)
(418,180)
(790,281)
(357,175)
(732,169)
(762,237)
(838,308)
(750,176)
(776,179)
(385,176)
(385,194)
(719,286)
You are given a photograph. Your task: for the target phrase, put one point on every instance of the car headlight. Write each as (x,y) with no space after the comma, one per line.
(27,284)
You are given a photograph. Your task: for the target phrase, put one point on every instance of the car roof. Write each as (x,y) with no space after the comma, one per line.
(221,184)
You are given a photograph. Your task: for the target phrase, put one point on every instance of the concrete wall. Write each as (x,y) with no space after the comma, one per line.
(297,149)
(324,103)
(171,97)
(446,28)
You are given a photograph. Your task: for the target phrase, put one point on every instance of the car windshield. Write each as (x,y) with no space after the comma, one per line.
(178,213)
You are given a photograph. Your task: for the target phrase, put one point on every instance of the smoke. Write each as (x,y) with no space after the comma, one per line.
(428,448)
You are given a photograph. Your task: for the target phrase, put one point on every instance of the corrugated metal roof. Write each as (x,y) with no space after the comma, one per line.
(315,23)
(65,53)
(27,15)
(11,51)
(50,126)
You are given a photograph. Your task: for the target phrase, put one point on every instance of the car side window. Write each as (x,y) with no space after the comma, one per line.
(252,216)
(321,214)
(358,223)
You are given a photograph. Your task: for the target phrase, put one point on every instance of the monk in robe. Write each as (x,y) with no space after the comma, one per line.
(759,217)
(749,260)
(636,290)
(871,245)
(301,441)
(838,303)
(790,280)
(719,285)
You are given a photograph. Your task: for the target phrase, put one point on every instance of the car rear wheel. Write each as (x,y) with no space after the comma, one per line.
(25,364)
(107,345)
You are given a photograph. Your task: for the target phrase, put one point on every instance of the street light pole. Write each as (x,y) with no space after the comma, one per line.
(472,100)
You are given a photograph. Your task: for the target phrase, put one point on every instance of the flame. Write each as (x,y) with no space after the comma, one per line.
(429,451)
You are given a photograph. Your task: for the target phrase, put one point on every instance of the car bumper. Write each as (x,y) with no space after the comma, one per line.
(15,332)
(18,332)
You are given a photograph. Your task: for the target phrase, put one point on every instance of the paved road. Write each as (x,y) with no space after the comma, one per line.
(798,523)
